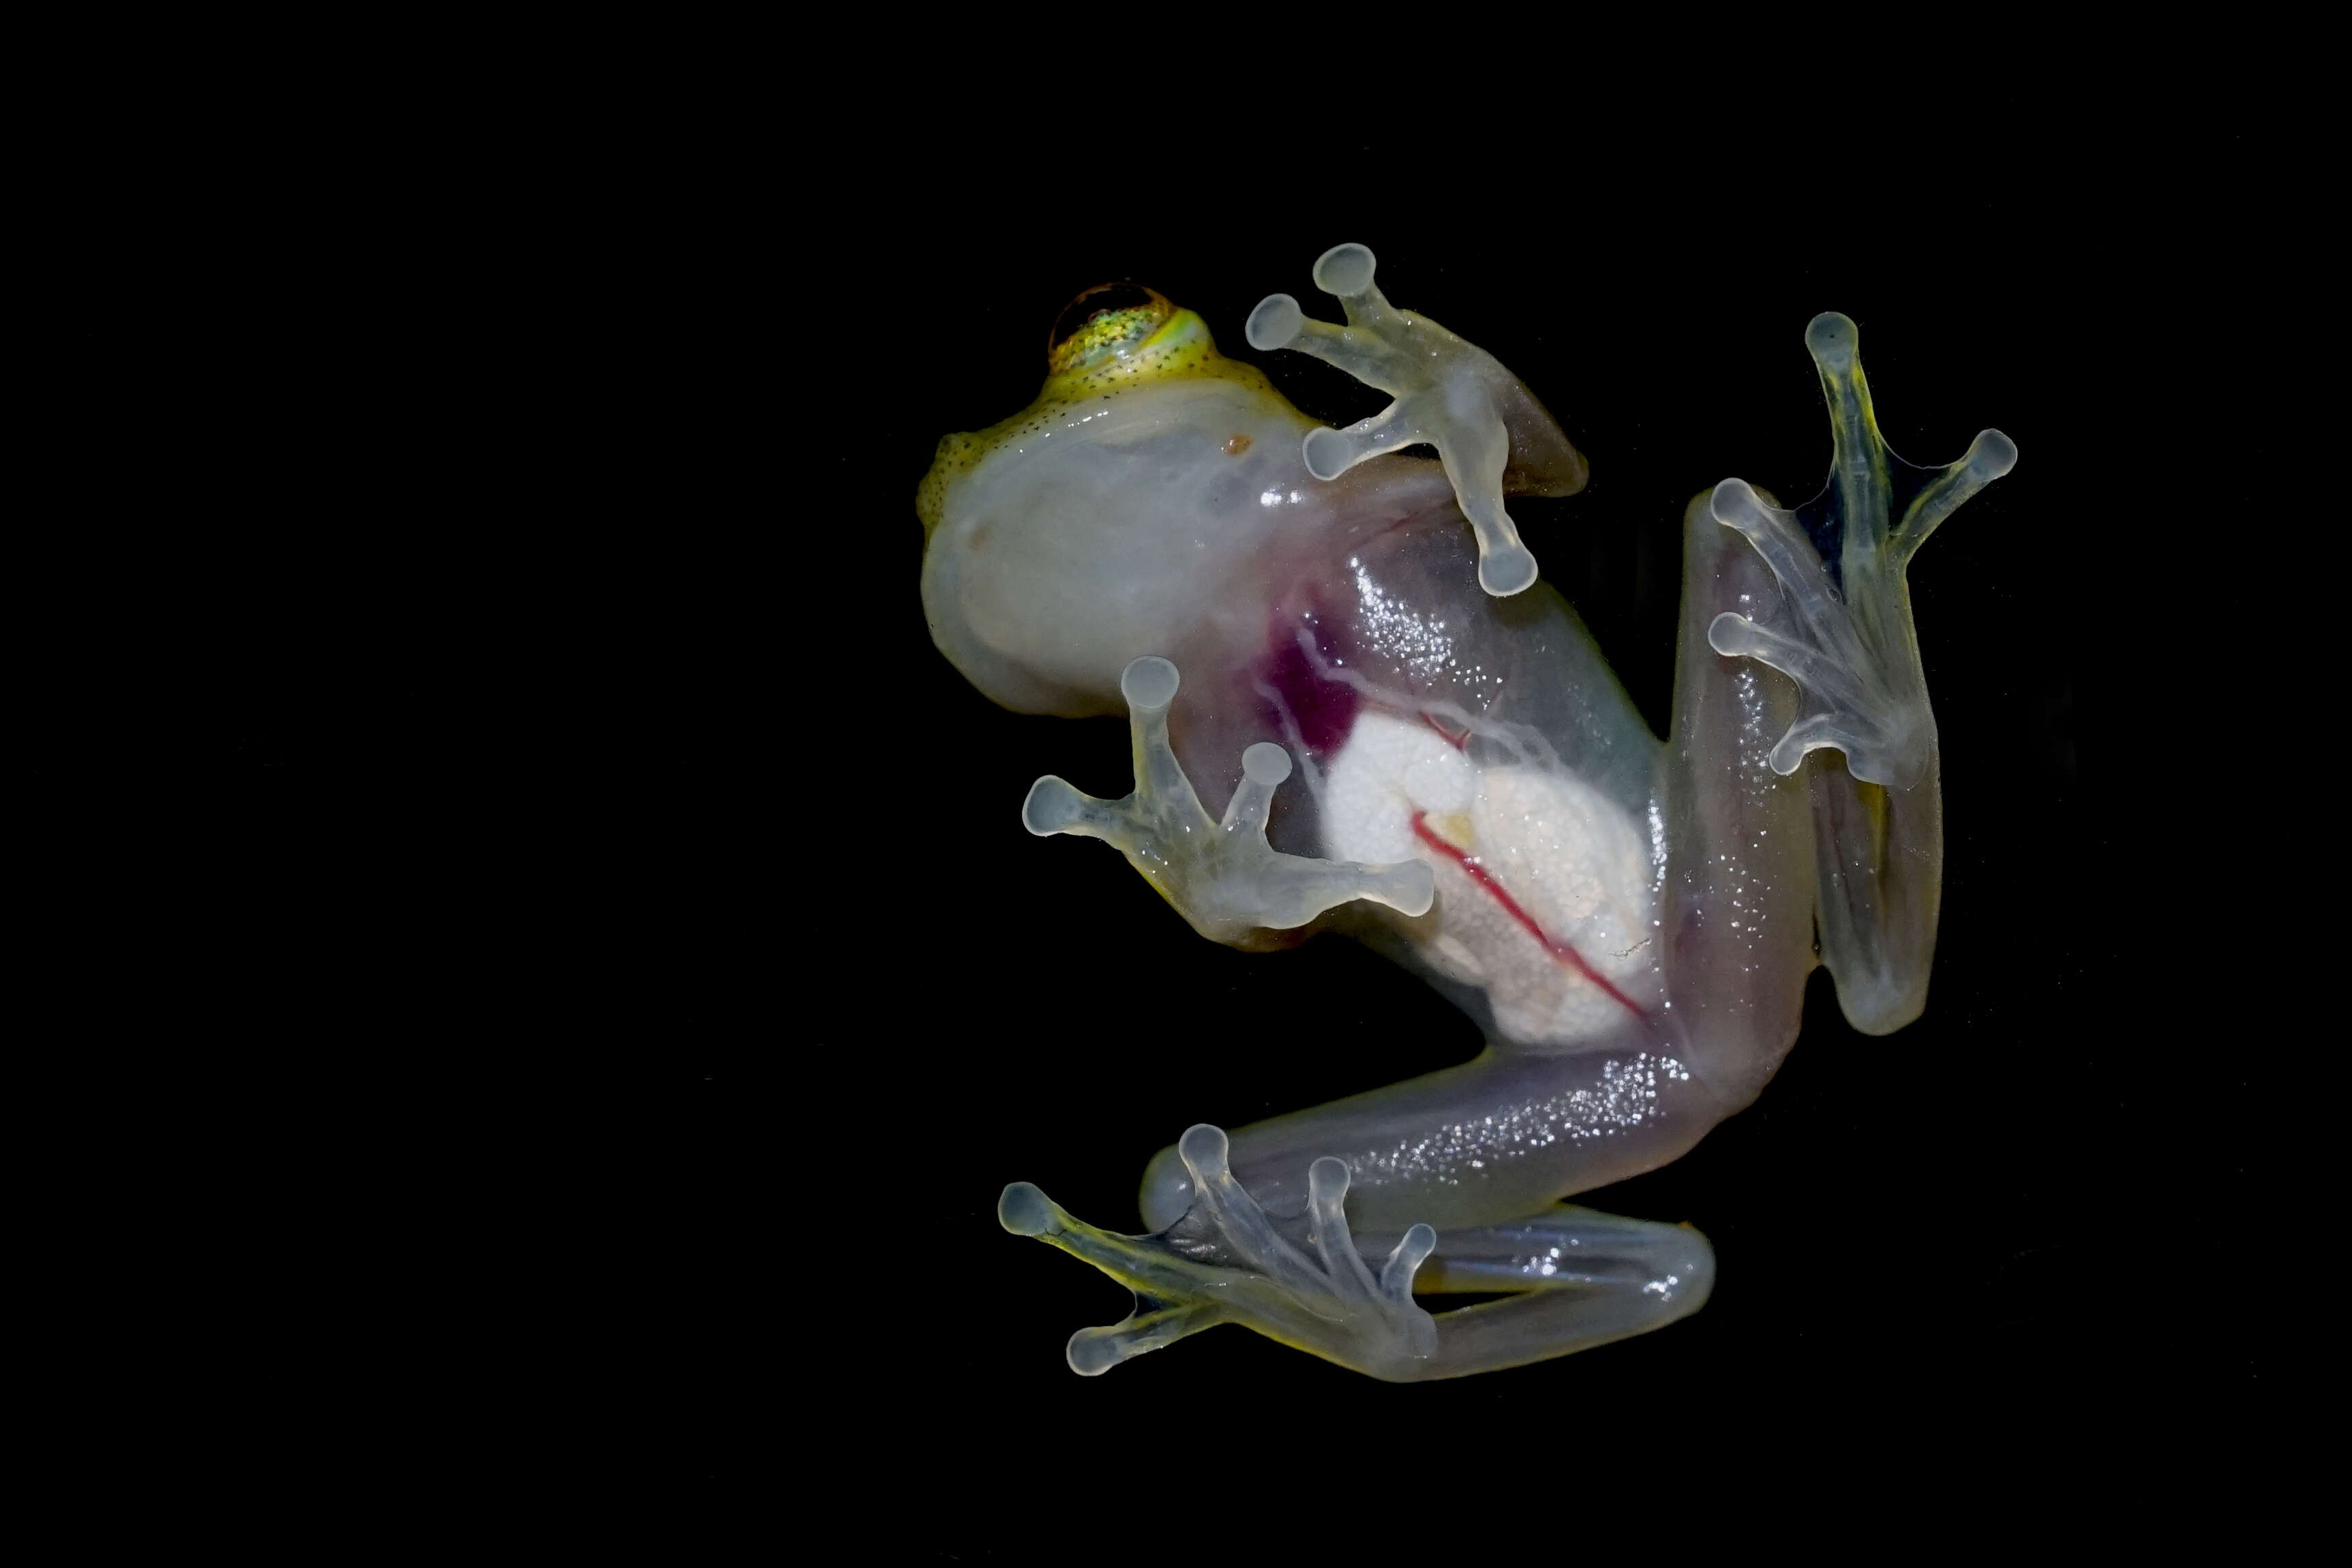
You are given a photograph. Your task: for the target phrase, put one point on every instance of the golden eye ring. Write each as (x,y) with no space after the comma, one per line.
(1103,322)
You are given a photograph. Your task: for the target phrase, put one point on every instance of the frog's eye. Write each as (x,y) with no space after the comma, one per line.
(1108,320)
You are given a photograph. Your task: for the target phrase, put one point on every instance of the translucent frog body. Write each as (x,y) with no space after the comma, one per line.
(1353,705)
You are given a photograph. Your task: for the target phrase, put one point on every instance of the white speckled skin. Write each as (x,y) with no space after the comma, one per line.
(1632,922)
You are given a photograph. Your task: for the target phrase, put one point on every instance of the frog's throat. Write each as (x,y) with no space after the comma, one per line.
(1181,350)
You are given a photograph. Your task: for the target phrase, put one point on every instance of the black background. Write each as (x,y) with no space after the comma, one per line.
(572,840)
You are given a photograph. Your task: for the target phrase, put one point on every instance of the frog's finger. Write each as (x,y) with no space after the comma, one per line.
(1736,636)
(1824,732)
(1264,767)
(1235,1216)
(1474,447)
(1390,1295)
(1053,806)
(1368,356)
(1988,457)
(1330,453)
(1405,1261)
(1346,271)
(1149,685)
(1273,323)
(1094,1351)
(1142,1263)
(1780,539)
(1859,470)
(1327,1217)
(1288,891)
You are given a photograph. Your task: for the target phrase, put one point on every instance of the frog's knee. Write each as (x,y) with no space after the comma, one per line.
(1167,1191)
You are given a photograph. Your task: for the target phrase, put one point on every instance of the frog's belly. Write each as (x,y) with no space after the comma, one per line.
(1544,894)
(1066,555)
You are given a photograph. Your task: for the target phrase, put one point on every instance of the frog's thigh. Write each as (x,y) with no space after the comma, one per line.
(1738,911)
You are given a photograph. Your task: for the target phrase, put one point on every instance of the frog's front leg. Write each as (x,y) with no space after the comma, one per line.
(1221,876)
(1491,434)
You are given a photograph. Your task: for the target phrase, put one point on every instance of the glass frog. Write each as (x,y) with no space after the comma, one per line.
(1354,705)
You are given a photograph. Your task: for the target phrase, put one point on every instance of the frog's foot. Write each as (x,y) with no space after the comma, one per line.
(1489,430)
(1866,700)
(1223,877)
(1224,1262)
(1846,639)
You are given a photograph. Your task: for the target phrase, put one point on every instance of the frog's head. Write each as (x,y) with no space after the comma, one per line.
(1110,339)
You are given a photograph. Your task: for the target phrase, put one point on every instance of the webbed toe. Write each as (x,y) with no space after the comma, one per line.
(1225,1261)
(1844,632)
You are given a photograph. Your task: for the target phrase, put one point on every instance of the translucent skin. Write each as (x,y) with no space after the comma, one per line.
(1630,921)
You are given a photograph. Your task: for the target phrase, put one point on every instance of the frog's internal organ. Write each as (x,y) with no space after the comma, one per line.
(1547,891)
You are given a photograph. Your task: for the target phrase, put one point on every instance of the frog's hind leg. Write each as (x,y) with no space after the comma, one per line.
(1221,876)
(1225,1261)
(1313,1283)
(1840,628)
(1845,633)
(1491,434)
(1570,1279)
(1736,908)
